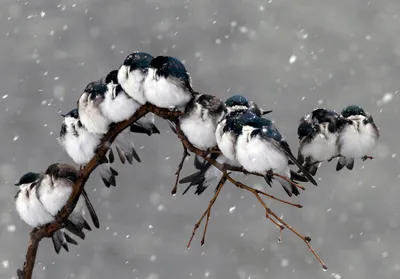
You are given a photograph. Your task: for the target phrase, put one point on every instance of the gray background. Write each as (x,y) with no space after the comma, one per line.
(347,52)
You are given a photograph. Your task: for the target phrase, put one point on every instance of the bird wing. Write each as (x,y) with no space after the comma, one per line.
(272,135)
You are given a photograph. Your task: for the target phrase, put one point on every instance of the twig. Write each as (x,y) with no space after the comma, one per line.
(208,213)
(38,234)
(178,172)
(221,167)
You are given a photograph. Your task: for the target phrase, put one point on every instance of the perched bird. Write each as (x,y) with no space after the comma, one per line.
(168,84)
(318,132)
(200,120)
(119,106)
(42,195)
(236,105)
(357,136)
(260,148)
(81,145)
(132,74)
(217,112)
(89,103)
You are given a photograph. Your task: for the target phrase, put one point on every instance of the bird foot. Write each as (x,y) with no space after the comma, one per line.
(366,157)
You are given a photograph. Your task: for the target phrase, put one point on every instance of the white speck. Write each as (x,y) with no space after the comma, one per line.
(336,275)
(387,97)
(167,158)
(232,209)
(5,263)
(393,155)
(320,102)
(56,78)
(127,236)
(303,98)
(385,255)
(243,29)
(150,226)
(65,27)
(218,41)
(329,210)
(153,258)
(15,138)
(115,234)
(44,267)
(207,274)
(261,8)
(233,23)
(107,228)
(368,37)
(153,276)
(161,208)
(11,228)
(5,96)
(284,262)
(73,5)
(42,14)
(292,59)
(214,22)
(242,234)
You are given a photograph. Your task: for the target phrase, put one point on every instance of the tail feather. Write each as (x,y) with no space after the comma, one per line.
(107,175)
(190,178)
(154,129)
(199,162)
(289,188)
(297,177)
(135,128)
(91,210)
(350,163)
(75,228)
(340,163)
(70,239)
(59,241)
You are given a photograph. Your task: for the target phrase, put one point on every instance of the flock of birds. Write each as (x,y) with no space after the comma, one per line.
(235,126)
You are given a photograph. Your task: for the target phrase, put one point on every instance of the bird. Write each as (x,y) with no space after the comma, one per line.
(132,74)
(42,195)
(81,145)
(168,84)
(200,120)
(260,148)
(119,106)
(197,134)
(236,105)
(357,136)
(89,103)
(318,132)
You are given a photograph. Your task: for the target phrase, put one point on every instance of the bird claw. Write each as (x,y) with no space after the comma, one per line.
(366,157)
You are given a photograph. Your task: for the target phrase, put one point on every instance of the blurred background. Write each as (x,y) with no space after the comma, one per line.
(289,56)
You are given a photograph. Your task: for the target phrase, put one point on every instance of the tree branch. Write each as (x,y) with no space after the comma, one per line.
(38,234)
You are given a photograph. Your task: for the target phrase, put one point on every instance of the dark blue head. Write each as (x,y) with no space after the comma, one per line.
(237,100)
(233,125)
(166,66)
(72,113)
(353,110)
(27,178)
(63,171)
(96,91)
(324,115)
(138,60)
(112,77)
(252,119)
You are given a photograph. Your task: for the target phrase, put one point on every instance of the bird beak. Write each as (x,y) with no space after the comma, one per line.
(17,184)
(63,115)
(264,112)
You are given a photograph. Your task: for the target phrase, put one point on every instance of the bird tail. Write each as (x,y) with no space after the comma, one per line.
(312,167)
(61,239)
(345,161)
(126,150)
(107,174)
(297,177)
(290,188)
